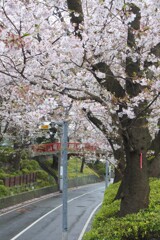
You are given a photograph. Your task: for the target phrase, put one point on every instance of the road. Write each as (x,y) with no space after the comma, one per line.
(42,220)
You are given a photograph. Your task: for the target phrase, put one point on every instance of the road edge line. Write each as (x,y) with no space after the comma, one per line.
(88,221)
(39,219)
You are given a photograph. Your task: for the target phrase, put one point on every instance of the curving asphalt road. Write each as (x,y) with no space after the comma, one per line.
(42,220)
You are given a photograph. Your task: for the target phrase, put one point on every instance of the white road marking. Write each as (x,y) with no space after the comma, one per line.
(45,215)
(88,221)
(35,200)
(38,220)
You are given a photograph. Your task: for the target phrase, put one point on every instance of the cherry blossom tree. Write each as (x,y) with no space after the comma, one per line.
(103,55)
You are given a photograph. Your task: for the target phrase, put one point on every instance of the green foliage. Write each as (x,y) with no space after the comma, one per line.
(24,155)
(30,165)
(144,225)
(5,152)
(1,182)
(3,175)
(99,168)
(26,34)
(74,165)
(42,175)
(4,191)
(25,171)
(27,166)
(42,179)
(150,155)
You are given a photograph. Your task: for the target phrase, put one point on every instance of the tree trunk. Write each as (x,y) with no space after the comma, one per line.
(55,162)
(49,170)
(119,171)
(118,176)
(82,165)
(154,164)
(135,193)
(135,187)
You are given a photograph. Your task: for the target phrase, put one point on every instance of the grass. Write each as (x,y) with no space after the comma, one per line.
(74,165)
(43,178)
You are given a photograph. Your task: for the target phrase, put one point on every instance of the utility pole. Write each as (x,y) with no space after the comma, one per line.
(63,175)
(60,163)
(64,154)
(107,174)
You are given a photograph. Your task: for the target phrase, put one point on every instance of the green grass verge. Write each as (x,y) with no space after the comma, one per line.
(43,178)
(144,225)
(74,165)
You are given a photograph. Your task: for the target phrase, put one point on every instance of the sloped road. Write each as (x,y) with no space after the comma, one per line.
(42,220)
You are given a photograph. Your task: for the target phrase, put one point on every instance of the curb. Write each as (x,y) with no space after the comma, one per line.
(26,196)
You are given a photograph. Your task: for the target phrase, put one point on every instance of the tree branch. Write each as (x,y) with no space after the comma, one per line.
(145,109)
(109,81)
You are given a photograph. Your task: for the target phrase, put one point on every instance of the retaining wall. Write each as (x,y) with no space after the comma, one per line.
(22,197)
(19,180)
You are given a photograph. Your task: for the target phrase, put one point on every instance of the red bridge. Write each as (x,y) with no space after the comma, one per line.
(50,148)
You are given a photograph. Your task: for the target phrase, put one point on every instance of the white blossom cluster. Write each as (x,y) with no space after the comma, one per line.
(40,57)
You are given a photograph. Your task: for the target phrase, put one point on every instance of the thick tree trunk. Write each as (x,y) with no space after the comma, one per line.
(135,187)
(118,175)
(135,193)
(119,171)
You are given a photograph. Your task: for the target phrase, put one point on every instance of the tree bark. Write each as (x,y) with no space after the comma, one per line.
(76,7)
(154,164)
(154,167)
(135,186)
(82,164)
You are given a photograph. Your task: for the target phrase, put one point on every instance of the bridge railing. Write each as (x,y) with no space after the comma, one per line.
(49,148)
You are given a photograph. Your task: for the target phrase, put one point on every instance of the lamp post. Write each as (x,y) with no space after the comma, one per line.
(63,176)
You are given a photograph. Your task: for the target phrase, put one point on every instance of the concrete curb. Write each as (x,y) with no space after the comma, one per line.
(22,197)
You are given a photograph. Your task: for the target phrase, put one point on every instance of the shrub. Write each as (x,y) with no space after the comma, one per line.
(24,154)
(1,182)
(30,165)
(5,153)
(99,168)
(42,175)
(25,171)
(4,175)
(145,225)
(3,191)
(74,165)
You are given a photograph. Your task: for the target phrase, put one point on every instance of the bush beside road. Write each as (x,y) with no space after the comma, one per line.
(145,225)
